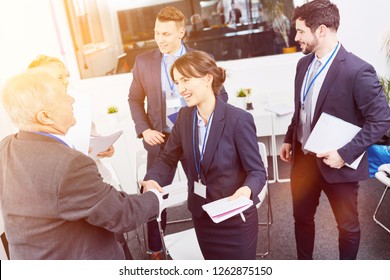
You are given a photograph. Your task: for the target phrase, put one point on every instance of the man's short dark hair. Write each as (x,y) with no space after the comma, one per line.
(318,12)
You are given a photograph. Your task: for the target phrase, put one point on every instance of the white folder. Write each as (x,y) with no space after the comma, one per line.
(225,208)
(332,133)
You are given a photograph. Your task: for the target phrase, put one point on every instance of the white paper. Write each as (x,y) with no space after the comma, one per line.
(280,109)
(102,143)
(332,133)
(223,209)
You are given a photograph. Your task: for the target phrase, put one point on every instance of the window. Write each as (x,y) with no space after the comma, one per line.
(84,15)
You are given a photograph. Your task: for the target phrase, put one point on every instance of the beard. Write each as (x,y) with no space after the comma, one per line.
(310,47)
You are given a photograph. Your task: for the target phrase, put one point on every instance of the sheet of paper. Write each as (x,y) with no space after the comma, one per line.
(223,209)
(102,143)
(331,133)
(280,109)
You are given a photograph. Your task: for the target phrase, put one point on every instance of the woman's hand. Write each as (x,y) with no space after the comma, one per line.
(243,191)
(107,153)
(150,184)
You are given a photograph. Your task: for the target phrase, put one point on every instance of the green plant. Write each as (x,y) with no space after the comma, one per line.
(112,110)
(386,45)
(385,82)
(273,10)
(244,92)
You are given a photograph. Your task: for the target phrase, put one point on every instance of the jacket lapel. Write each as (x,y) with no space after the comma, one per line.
(333,71)
(155,71)
(217,126)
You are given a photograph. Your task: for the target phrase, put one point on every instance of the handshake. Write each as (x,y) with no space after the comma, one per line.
(153,186)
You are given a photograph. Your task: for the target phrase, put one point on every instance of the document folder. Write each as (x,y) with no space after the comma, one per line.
(332,133)
(102,143)
(224,208)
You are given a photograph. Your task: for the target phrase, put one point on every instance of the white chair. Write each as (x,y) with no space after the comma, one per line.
(140,166)
(265,196)
(3,247)
(383,175)
(181,245)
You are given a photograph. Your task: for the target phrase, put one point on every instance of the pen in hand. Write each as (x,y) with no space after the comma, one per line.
(243,217)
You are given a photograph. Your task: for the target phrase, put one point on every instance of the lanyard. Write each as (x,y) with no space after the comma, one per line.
(197,164)
(318,73)
(171,85)
(52,136)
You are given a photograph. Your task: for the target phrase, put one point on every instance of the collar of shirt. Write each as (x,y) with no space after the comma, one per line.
(320,79)
(202,130)
(177,54)
(165,71)
(63,138)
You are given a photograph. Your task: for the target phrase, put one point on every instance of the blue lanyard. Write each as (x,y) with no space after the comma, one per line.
(318,73)
(171,85)
(52,136)
(197,164)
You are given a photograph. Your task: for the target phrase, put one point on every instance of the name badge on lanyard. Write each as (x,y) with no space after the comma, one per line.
(200,189)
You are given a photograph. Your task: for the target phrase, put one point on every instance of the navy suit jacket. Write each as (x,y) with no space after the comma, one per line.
(351,91)
(147,84)
(231,157)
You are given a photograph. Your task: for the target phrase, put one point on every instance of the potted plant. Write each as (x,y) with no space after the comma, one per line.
(112,112)
(279,23)
(385,82)
(245,93)
(379,153)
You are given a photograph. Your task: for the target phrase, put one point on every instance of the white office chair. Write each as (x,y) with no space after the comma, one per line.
(383,175)
(181,245)
(140,166)
(3,245)
(265,196)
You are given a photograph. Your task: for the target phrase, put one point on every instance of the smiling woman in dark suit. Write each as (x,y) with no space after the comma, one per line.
(220,146)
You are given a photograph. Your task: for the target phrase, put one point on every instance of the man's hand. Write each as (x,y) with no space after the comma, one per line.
(153,137)
(332,159)
(285,152)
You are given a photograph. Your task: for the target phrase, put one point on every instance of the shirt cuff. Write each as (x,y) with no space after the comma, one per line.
(159,196)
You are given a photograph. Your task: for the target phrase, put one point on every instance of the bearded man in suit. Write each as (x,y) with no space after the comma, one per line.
(345,87)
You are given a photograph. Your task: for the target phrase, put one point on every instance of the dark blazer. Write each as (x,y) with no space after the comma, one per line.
(351,91)
(56,206)
(231,158)
(147,84)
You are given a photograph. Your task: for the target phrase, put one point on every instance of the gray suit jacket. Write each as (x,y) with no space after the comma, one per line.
(351,91)
(56,206)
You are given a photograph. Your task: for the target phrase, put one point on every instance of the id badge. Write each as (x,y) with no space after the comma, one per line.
(173,103)
(200,189)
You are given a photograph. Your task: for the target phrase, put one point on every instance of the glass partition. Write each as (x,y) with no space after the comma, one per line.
(227,29)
